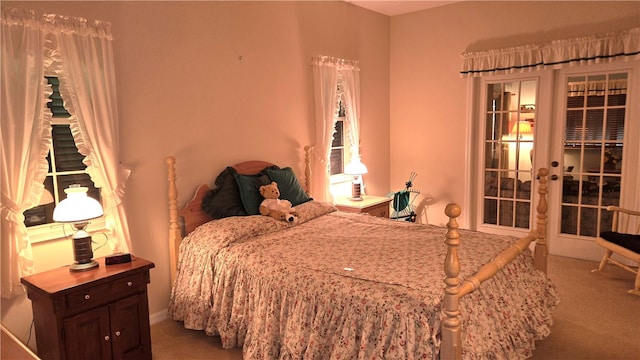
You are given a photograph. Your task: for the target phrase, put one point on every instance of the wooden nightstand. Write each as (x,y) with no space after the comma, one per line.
(101,313)
(372,205)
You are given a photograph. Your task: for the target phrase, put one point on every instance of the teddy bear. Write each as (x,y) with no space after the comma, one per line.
(273,206)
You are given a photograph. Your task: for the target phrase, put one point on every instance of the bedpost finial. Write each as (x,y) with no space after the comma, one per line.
(453,210)
(171,160)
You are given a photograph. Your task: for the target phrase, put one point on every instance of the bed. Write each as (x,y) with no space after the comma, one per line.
(339,285)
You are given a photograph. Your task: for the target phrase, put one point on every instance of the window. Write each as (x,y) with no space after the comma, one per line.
(340,150)
(65,166)
(337,144)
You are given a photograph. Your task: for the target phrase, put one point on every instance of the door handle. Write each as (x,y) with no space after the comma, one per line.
(554,164)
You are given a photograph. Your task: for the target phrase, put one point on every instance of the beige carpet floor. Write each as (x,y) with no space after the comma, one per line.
(596,320)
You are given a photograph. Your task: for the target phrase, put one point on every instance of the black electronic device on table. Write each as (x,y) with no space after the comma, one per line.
(119,258)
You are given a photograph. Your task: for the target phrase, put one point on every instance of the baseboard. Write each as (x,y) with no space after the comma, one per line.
(158,316)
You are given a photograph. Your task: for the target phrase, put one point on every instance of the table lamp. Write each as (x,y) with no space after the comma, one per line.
(77,209)
(356,168)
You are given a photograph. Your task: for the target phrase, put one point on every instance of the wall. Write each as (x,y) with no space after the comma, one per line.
(213,84)
(429,100)
(183,90)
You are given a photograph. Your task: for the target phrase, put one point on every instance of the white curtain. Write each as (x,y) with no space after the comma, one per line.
(595,49)
(328,72)
(325,78)
(80,53)
(25,138)
(84,65)
(351,95)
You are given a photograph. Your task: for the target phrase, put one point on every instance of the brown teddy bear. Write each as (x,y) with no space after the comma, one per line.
(275,207)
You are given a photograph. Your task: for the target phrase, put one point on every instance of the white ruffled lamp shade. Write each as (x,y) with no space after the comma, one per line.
(77,207)
(355,167)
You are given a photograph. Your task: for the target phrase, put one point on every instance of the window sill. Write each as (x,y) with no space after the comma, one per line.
(341,185)
(57,231)
(340,179)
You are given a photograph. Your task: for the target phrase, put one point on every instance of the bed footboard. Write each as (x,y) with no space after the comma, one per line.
(451,345)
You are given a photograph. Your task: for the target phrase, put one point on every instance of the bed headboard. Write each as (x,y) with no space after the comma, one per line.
(184,220)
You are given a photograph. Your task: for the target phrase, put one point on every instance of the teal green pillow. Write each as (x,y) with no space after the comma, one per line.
(289,186)
(249,188)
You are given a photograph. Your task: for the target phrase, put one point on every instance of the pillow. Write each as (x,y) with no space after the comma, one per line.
(224,200)
(313,209)
(249,188)
(288,184)
(627,241)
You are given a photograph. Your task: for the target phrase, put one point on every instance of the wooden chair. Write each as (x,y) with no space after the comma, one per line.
(623,240)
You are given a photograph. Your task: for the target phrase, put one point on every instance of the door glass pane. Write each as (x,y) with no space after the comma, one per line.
(594,142)
(509,118)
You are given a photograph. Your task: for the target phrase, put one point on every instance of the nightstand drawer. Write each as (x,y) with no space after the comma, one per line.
(105,293)
(372,205)
(381,210)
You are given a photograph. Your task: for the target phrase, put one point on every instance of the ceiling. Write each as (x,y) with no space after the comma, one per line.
(392,8)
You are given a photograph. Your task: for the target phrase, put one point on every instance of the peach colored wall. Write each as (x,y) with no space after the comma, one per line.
(409,73)
(429,100)
(215,83)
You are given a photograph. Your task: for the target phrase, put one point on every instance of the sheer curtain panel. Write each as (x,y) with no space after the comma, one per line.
(351,95)
(84,65)
(328,72)
(325,77)
(80,53)
(25,138)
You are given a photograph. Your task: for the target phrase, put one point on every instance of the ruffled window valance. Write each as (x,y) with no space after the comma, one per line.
(596,49)
(335,62)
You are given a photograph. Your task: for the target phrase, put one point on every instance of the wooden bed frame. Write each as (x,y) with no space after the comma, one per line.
(184,220)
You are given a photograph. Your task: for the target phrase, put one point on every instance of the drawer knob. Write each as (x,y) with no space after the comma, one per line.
(118,333)
(129,283)
(106,338)
(87,297)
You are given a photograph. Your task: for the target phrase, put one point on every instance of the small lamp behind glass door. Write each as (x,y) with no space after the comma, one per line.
(356,168)
(77,209)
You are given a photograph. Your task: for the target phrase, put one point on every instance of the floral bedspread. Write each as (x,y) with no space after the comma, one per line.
(351,286)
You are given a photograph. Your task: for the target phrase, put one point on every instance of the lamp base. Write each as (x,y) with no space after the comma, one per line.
(356,193)
(82,252)
(83,267)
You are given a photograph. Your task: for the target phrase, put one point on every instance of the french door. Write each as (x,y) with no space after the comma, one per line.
(583,124)
(594,155)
